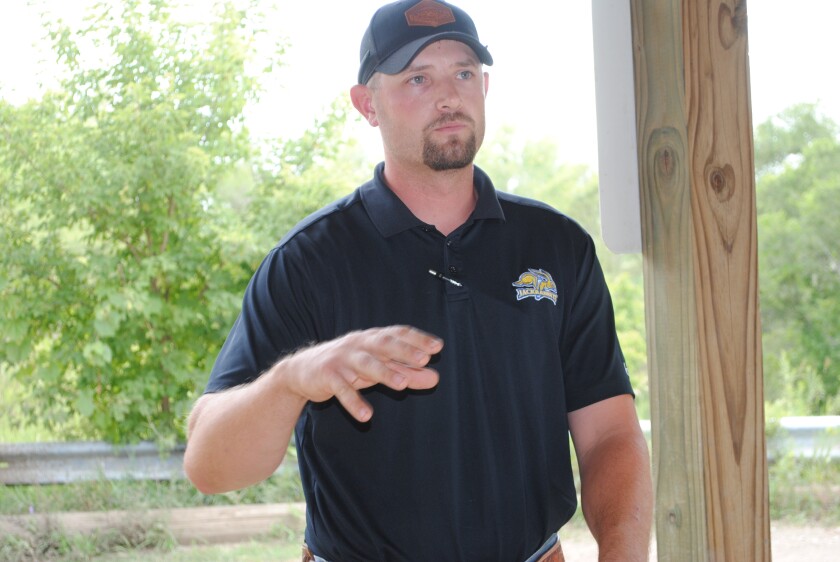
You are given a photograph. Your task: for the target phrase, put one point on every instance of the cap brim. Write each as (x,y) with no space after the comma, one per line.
(403,56)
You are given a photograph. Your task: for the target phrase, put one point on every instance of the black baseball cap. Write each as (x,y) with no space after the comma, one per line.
(400,30)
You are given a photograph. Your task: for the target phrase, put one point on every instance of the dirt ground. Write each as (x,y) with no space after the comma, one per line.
(790,543)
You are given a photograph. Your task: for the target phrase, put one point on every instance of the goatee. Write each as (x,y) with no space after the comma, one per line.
(452,155)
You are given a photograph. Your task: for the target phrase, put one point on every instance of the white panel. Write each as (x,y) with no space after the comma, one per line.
(618,168)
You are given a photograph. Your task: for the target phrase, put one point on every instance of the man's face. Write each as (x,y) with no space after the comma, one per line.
(433,111)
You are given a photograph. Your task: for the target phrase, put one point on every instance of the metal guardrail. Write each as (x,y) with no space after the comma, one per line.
(61,463)
(806,437)
(801,436)
(58,463)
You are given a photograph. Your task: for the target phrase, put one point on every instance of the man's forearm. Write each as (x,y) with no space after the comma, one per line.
(239,437)
(617,498)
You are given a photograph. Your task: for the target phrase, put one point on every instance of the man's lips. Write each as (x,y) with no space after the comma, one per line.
(451,124)
(451,127)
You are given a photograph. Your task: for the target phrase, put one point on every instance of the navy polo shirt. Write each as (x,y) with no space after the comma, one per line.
(477,468)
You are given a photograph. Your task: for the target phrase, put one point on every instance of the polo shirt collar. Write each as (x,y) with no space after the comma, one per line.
(390,215)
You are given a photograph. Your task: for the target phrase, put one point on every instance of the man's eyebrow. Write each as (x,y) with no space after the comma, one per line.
(469,62)
(465,63)
(416,68)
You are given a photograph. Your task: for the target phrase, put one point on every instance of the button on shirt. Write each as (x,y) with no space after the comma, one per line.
(477,468)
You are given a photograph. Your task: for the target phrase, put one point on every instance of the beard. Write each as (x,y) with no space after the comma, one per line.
(454,153)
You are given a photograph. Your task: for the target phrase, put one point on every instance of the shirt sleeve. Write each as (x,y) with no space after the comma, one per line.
(593,362)
(275,320)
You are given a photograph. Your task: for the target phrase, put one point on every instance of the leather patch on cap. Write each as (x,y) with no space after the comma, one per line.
(429,13)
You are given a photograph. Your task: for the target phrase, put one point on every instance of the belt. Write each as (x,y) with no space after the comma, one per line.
(553,554)
(550,551)
(547,553)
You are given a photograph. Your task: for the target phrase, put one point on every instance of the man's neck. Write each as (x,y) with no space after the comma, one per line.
(444,199)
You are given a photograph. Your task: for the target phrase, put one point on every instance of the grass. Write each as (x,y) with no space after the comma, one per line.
(805,490)
(255,551)
(144,539)
(802,491)
(285,550)
(138,495)
(51,543)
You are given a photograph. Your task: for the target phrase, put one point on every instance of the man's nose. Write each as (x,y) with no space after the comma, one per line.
(448,96)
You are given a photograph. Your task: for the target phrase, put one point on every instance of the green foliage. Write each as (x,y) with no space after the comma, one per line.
(141,495)
(798,193)
(296,178)
(49,542)
(112,277)
(286,548)
(146,533)
(115,286)
(12,395)
(805,490)
(789,134)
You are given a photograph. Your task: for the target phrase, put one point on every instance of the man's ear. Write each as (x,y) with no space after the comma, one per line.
(362,98)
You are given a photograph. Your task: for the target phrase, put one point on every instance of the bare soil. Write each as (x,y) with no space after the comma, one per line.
(790,543)
(239,525)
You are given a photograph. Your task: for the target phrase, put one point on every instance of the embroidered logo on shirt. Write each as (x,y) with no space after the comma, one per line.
(536,284)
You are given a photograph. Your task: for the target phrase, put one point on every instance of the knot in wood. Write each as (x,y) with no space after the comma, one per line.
(718,181)
(732,24)
(722,182)
(675,517)
(665,162)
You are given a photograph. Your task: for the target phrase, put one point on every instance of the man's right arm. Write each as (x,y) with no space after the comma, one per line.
(239,437)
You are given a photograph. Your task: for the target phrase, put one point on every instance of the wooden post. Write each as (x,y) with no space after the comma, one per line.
(701,279)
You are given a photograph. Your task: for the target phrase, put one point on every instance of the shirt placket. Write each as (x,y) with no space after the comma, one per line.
(453,263)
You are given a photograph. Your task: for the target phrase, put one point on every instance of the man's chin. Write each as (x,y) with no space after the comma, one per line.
(453,156)
(444,165)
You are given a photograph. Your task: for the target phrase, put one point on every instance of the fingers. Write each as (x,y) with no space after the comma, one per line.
(415,379)
(401,344)
(399,357)
(350,398)
(394,356)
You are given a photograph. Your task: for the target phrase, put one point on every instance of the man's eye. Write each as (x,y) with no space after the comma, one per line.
(417,79)
(465,74)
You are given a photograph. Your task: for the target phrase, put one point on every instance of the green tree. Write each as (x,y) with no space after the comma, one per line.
(119,275)
(297,177)
(798,187)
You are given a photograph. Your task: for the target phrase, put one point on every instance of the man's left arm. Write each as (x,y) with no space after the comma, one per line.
(616,487)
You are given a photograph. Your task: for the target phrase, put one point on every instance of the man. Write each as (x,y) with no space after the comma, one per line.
(431,342)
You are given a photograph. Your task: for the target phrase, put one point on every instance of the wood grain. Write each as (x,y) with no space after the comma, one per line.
(722,174)
(669,281)
(701,290)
